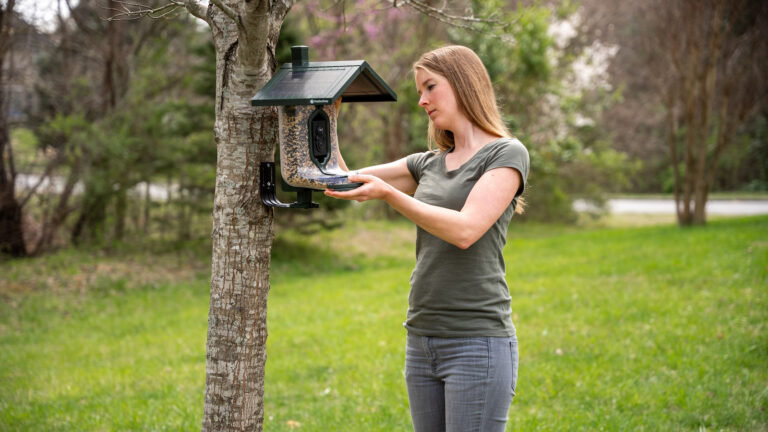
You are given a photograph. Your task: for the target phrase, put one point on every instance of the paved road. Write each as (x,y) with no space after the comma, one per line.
(730,207)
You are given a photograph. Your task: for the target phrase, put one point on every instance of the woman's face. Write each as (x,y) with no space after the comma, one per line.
(437,99)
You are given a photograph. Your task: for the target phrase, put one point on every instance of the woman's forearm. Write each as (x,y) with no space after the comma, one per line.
(395,173)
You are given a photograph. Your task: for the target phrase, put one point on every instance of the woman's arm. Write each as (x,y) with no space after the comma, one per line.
(395,173)
(486,202)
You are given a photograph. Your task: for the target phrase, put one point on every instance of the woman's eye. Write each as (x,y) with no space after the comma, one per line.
(430,87)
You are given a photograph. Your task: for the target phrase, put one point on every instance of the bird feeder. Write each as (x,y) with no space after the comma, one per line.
(308,96)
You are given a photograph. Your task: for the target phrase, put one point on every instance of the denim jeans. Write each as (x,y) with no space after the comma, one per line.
(460,384)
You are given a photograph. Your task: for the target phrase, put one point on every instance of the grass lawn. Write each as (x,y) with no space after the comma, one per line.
(635,328)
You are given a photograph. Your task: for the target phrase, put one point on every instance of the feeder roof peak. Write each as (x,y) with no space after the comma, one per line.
(302,82)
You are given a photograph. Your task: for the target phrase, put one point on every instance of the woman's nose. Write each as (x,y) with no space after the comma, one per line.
(422,101)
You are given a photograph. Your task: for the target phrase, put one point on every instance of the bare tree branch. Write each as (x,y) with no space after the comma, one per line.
(46,175)
(131,11)
(226,9)
(435,12)
(81,24)
(197,9)
(470,23)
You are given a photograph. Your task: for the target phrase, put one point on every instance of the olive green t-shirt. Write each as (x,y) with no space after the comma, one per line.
(455,292)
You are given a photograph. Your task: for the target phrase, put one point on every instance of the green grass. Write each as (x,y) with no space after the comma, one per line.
(642,328)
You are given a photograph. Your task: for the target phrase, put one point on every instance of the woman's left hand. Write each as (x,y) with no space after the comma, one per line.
(372,188)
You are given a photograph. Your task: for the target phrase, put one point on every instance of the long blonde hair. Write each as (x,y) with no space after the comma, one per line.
(471,85)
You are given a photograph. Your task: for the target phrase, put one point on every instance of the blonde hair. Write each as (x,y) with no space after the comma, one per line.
(471,85)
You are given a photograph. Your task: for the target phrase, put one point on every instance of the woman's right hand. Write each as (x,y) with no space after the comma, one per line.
(373,188)
(395,174)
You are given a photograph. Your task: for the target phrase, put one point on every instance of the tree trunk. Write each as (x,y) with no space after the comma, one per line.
(707,79)
(121,208)
(242,226)
(183,216)
(60,214)
(717,79)
(89,226)
(673,152)
(11,228)
(114,79)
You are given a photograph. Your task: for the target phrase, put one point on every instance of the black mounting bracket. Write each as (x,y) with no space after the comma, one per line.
(268,190)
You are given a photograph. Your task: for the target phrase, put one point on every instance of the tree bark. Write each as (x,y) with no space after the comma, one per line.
(673,153)
(242,225)
(11,228)
(708,78)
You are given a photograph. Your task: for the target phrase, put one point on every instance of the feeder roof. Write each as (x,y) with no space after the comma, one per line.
(321,83)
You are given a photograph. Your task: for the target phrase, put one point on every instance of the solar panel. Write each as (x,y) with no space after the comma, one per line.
(321,83)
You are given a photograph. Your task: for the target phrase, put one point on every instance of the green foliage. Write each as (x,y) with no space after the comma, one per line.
(530,52)
(159,129)
(571,155)
(651,328)
(290,35)
(744,165)
(25,149)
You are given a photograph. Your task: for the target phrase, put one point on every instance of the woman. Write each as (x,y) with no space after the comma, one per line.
(461,352)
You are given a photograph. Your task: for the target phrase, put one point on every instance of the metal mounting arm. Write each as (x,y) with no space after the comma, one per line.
(268,190)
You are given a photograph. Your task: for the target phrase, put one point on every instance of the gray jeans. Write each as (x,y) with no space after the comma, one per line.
(460,384)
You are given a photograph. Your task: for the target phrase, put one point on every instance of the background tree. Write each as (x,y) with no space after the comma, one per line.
(110,152)
(689,93)
(11,231)
(245,36)
(159,128)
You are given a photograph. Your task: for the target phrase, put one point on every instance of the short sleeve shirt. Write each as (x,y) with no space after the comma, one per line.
(455,292)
